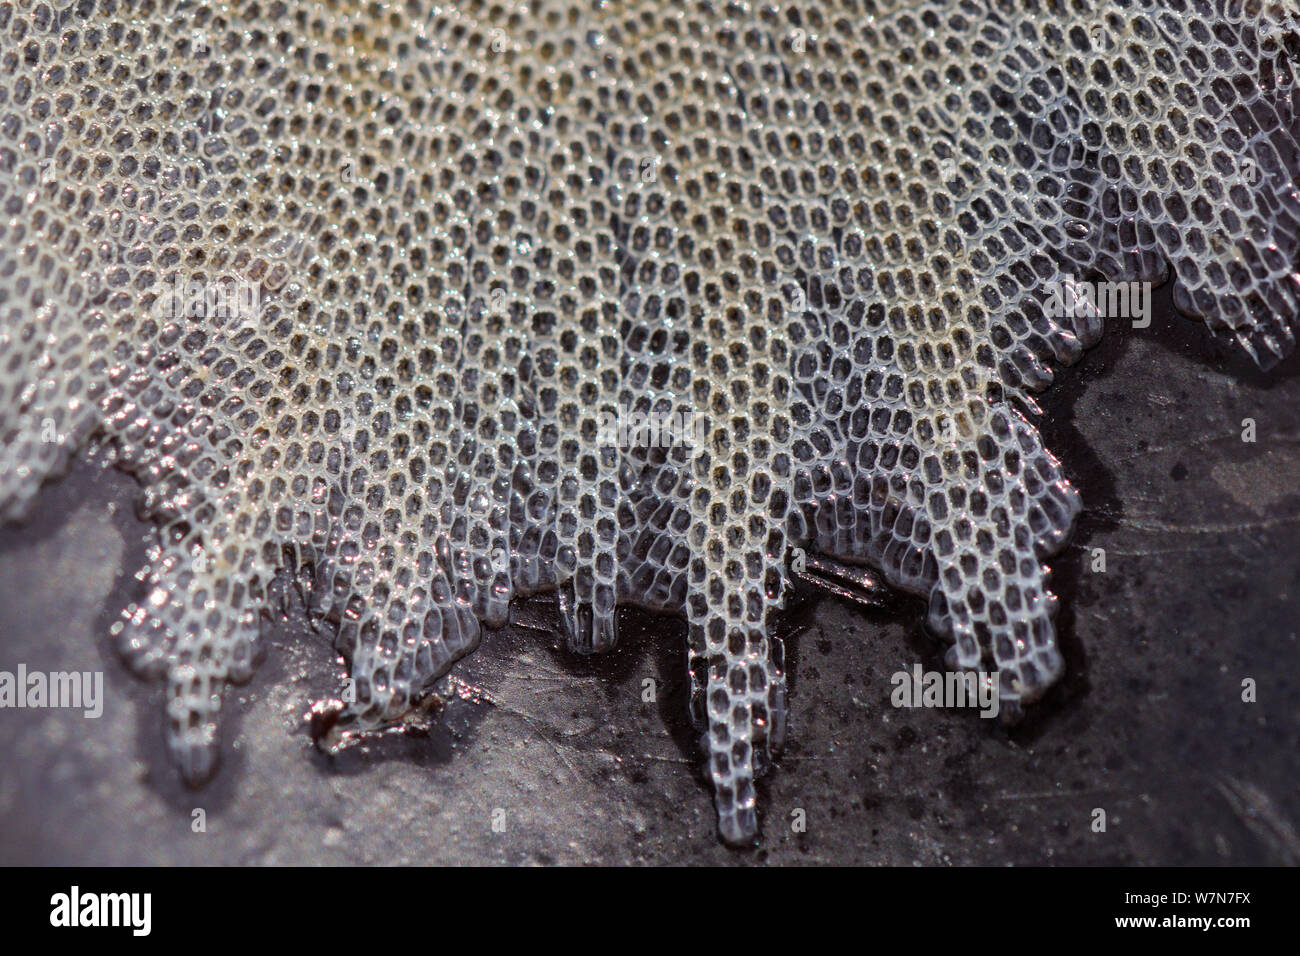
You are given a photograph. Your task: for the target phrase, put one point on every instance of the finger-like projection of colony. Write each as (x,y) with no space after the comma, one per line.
(434,306)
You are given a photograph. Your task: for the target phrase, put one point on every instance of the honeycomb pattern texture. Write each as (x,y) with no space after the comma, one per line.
(376,300)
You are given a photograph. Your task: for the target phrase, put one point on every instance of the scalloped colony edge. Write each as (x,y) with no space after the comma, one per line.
(369,292)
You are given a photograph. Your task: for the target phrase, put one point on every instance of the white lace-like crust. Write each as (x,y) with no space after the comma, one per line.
(376,293)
